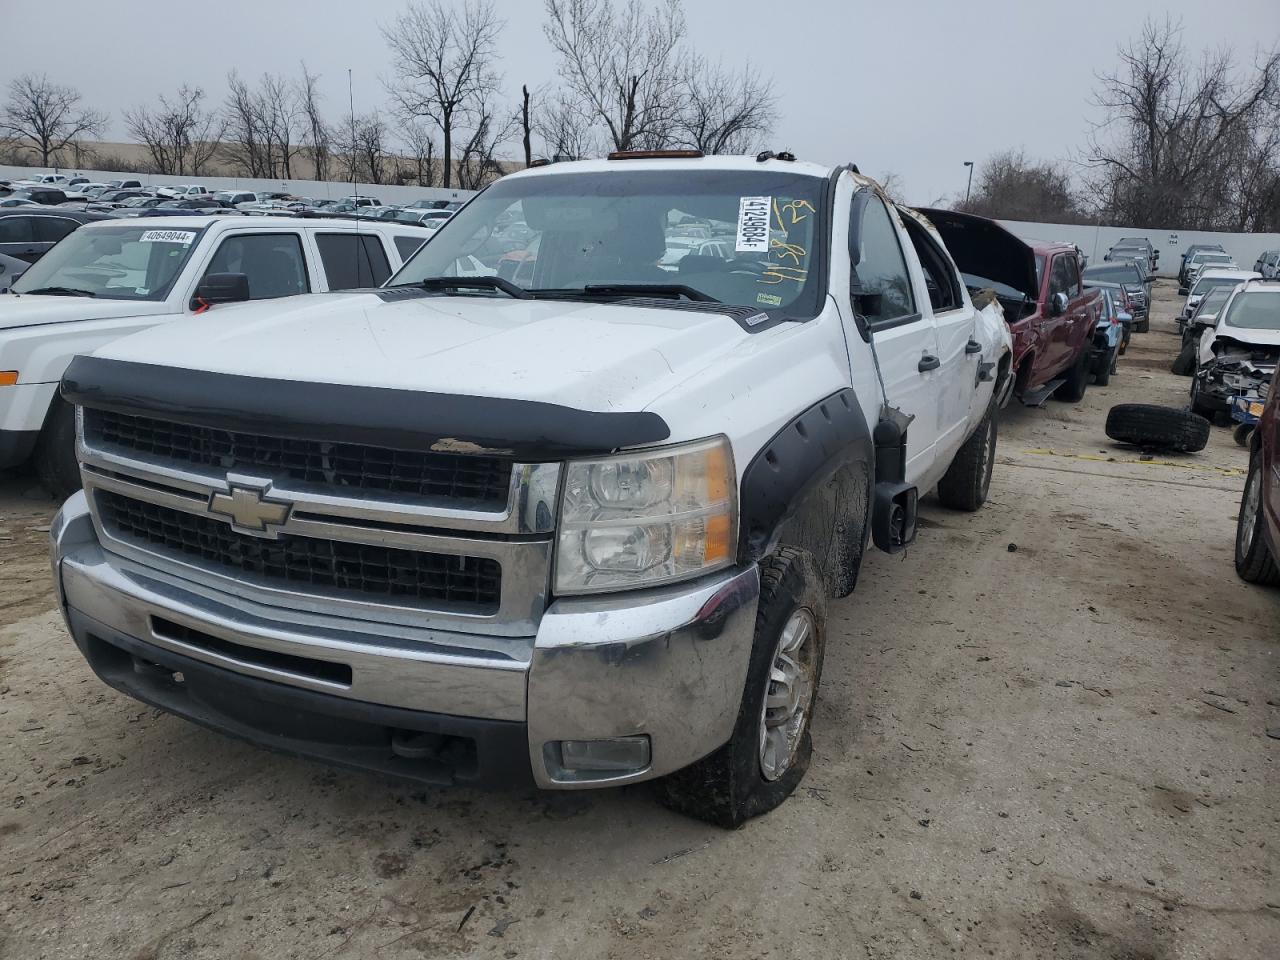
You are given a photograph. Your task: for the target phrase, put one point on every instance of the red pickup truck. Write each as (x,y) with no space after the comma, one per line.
(1051,313)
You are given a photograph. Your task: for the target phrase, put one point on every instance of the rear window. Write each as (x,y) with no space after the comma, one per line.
(353,260)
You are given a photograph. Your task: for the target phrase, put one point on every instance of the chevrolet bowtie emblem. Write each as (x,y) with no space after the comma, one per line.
(249,510)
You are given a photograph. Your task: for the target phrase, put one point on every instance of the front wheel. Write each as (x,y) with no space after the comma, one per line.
(55,453)
(1106,367)
(769,751)
(1077,380)
(1142,326)
(1254,561)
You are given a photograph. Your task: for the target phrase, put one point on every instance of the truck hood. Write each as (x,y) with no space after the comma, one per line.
(983,247)
(29,310)
(591,356)
(1243,335)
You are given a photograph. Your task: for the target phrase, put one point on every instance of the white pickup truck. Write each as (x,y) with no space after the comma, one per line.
(117,278)
(575,532)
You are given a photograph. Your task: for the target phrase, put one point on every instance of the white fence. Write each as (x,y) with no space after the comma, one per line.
(1095,241)
(315,189)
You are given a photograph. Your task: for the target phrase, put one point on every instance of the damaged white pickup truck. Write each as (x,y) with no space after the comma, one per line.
(574,523)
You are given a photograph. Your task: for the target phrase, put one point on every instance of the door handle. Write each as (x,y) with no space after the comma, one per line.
(973,346)
(929,362)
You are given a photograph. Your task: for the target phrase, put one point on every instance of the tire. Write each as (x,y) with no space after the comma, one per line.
(1142,326)
(1165,428)
(1182,291)
(1184,364)
(968,480)
(1254,562)
(1102,374)
(55,453)
(734,784)
(1077,380)
(1198,406)
(1242,433)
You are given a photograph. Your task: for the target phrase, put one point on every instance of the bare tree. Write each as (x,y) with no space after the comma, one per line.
(723,112)
(1011,187)
(891,183)
(478,165)
(526,127)
(444,64)
(363,142)
(623,64)
(421,153)
(567,128)
(46,116)
(180,135)
(316,133)
(262,126)
(1183,146)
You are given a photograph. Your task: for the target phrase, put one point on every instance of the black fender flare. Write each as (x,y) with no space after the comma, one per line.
(810,487)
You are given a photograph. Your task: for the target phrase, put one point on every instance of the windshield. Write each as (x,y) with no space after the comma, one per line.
(1254,310)
(115,262)
(741,237)
(1214,299)
(1204,285)
(1211,258)
(1119,272)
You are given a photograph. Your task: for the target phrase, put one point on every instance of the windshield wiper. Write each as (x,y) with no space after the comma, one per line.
(455,284)
(61,292)
(672,291)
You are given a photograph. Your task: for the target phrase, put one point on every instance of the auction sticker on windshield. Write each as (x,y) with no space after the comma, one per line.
(184,237)
(753,224)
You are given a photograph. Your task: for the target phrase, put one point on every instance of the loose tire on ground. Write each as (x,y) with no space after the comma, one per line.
(1254,561)
(55,453)
(1077,380)
(1164,428)
(1184,364)
(730,786)
(968,480)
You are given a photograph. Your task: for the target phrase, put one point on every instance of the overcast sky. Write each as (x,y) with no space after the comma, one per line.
(915,87)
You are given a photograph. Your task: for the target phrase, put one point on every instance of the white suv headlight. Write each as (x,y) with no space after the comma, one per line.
(643,519)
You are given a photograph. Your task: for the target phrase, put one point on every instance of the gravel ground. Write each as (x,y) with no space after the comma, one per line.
(1057,750)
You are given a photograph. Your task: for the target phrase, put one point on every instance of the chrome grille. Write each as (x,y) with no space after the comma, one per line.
(471,480)
(371,572)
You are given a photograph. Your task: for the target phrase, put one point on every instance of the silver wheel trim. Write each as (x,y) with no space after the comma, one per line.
(988,454)
(1249,512)
(788,695)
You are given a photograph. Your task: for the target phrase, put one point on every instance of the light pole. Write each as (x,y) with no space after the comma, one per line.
(969,164)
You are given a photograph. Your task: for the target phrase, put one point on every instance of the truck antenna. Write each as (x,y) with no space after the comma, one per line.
(355,191)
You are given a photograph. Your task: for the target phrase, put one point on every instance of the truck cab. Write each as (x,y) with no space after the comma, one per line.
(574,527)
(111,278)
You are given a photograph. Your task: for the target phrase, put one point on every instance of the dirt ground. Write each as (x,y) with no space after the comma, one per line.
(1057,750)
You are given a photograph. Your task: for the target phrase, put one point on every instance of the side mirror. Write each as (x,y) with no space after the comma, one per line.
(221,288)
(1057,304)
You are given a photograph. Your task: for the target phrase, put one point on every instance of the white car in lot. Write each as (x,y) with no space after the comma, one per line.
(575,527)
(123,276)
(1209,278)
(184,191)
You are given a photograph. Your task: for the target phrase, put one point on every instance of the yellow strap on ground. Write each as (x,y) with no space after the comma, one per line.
(1224,471)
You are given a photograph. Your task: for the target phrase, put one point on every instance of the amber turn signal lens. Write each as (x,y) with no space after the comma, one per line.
(8,378)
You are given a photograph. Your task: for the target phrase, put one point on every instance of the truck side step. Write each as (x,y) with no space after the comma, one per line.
(1036,398)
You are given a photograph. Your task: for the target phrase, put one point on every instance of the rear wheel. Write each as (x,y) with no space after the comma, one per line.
(768,754)
(1106,367)
(968,480)
(1077,380)
(55,453)
(1254,561)
(1242,433)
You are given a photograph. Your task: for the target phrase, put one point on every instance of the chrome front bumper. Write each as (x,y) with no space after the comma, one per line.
(667,664)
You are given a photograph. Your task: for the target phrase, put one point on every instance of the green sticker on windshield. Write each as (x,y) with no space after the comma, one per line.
(768,299)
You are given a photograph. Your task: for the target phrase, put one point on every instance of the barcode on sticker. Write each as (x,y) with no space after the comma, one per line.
(167,236)
(753,224)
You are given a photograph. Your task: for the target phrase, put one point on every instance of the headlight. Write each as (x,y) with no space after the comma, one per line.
(643,519)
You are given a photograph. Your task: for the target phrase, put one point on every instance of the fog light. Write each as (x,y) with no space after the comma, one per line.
(583,759)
